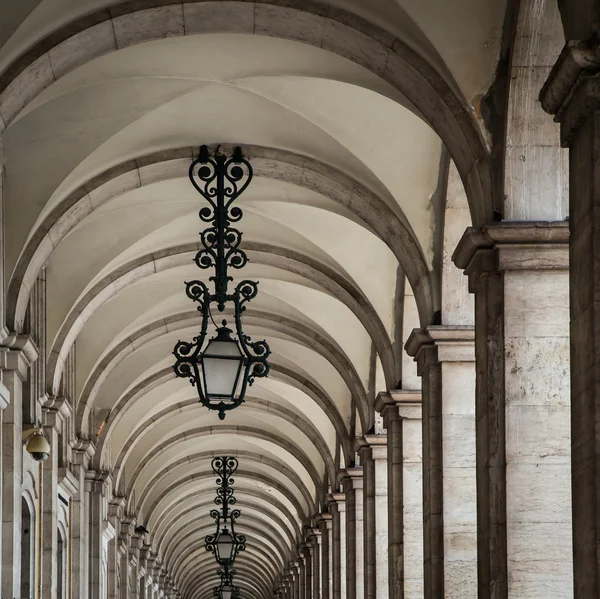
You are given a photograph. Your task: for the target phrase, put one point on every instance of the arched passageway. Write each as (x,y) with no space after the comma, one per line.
(413,436)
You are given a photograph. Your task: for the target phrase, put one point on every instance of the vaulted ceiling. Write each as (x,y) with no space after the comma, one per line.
(344,112)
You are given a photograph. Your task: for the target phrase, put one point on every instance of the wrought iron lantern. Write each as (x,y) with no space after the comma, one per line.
(225,543)
(224,367)
(226,590)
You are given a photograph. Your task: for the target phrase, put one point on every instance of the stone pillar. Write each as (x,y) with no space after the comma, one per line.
(317,575)
(572,93)
(116,509)
(296,571)
(337,507)
(401,411)
(325,525)
(4,403)
(353,489)
(82,451)
(301,577)
(519,273)
(373,456)
(96,490)
(446,356)
(15,365)
(308,576)
(49,486)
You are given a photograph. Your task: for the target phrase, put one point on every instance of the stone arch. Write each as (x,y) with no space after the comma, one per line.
(162,522)
(252,432)
(150,264)
(165,544)
(197,457)
(319,340)
(167,374)
(304,514)
(333,29)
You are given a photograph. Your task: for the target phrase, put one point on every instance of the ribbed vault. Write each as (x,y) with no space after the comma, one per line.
(343,113)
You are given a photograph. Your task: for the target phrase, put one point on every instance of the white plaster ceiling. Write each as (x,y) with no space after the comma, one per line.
(325,241)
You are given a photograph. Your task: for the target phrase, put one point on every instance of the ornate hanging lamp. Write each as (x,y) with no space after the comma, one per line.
(226,590)
(225,543)
(224,367)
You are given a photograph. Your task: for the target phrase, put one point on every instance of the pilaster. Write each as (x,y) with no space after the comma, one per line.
(373,456)
(401,411)
(519,274)
(355,575)
(325,525)
(572,95)
(337,507)
(445,355)
(14,364)
(96,491)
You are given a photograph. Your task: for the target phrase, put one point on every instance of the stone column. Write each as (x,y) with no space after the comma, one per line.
(96,489)
(296,571)
(446,356)
(572,94)
(4,403)
(15,365)
(308,576)
(401,411)
(82,451)
(317,575)
(49,486)
(337,507)
(353,489)
(135,565)
(116,510)
(373,456)
(325,525)
(519,273)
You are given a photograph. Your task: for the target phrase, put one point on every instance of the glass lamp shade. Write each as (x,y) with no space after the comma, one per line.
(225,547)
(222,362)
(226,591)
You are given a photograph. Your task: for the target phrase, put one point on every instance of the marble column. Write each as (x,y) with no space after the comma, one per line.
(95,485)
(337,507)
(401,410)
(353,489)
(519,273)
(116,509)
(325,525)
(82,452)
(317,575)
(296,572)
(373,457)
(572,94)
(49,516)
(446,356)
(301,577)
(15,364)
(4,403)
(308,575)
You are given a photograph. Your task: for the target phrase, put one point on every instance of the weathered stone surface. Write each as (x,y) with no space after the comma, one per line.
(82,47)
(231,17)
(149,24)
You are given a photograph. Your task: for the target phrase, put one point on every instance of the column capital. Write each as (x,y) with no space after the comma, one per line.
(407,402)
(355,477)
(55,410)
(441,343)
(518,245)
(95,480)
(17,360)
(572,90)
(377,444)
(325,522)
